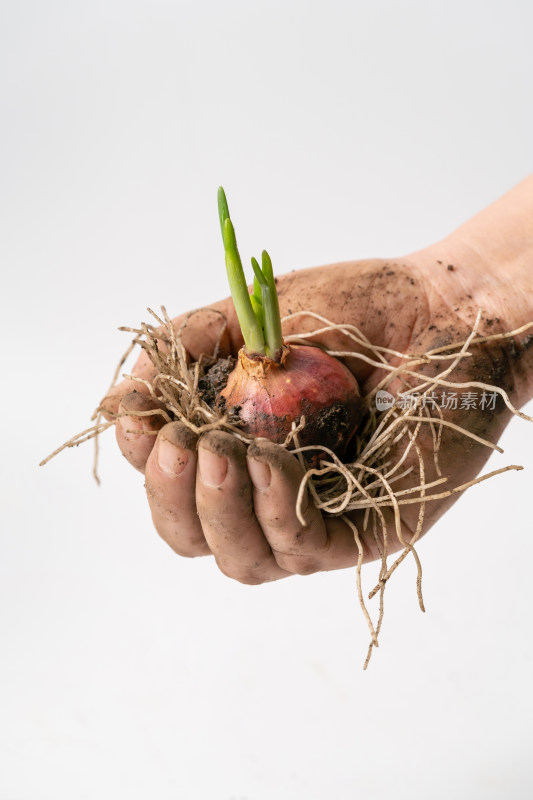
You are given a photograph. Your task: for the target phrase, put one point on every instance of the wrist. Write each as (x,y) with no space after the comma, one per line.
(488,264)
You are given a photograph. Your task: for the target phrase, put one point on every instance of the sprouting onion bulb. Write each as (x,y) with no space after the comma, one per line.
(275,384)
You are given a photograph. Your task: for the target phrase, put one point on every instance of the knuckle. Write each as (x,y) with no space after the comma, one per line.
(305,569)
(220,519)
(278,522)
(187,551)
(248,579)
(283,518)
(181,545)
(298,564)
(245,575)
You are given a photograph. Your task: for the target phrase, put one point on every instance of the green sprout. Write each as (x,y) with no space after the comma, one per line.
(258,312)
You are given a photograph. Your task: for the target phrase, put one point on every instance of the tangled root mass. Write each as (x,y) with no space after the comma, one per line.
(187,392)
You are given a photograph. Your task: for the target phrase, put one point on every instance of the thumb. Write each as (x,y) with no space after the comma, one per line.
(199,332)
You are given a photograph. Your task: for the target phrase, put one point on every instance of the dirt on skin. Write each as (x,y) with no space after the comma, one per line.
(497,361)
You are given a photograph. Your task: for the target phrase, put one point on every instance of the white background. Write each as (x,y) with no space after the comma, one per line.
(339,130)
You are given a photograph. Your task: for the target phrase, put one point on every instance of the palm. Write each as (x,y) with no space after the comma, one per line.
(393,305)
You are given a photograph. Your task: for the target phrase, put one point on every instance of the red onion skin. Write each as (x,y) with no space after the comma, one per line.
(267,395)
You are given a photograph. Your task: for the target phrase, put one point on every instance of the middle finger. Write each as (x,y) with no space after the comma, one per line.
(225,506)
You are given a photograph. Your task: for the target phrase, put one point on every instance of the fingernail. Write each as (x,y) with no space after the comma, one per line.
(172,459)
(130,424)
(213,468)
(259,473)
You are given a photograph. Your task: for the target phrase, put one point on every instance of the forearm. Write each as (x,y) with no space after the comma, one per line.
(487,263)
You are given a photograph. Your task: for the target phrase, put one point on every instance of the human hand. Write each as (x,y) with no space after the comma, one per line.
(209,495)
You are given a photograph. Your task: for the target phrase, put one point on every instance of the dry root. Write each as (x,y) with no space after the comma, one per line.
(366,483)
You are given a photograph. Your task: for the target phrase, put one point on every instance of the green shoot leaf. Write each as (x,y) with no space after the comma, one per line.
(258,312)
(251,327)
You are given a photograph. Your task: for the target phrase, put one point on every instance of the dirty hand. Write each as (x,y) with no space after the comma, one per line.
(210,495)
